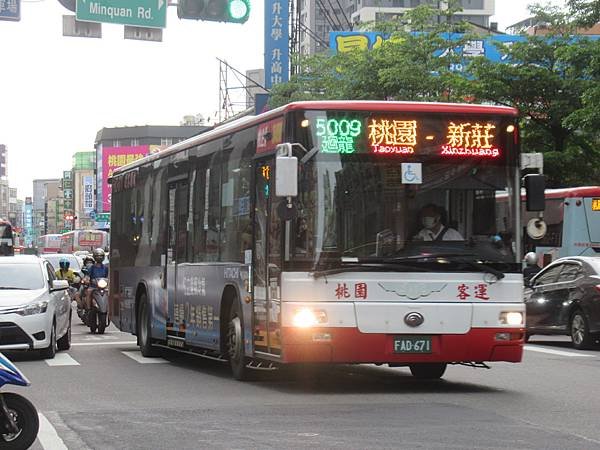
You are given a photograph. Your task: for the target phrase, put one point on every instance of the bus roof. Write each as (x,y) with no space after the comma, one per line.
(583,191)
(341,105)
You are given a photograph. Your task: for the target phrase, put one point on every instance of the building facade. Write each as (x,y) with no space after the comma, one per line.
(3,161)
(45,194)
(116,147)
(4,199)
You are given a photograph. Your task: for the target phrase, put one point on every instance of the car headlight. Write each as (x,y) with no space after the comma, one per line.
(34,308)
(306,317)
(511,318)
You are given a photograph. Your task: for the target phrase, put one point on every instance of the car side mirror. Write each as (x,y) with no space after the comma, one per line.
(59,285)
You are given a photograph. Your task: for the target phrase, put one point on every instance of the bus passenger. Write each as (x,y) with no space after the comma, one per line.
(434,228)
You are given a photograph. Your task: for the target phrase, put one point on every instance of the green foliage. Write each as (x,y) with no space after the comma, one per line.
(586,12)
(554,81)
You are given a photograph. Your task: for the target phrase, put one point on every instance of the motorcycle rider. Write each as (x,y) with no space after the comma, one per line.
(531,261)
(65,273)
(96,271)
(88,262)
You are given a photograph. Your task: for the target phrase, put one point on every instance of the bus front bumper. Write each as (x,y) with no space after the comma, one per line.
(349,345)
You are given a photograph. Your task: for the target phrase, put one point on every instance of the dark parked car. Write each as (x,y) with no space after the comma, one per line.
(564,298)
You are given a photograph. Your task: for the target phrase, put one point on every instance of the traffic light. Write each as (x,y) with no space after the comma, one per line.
(236,11)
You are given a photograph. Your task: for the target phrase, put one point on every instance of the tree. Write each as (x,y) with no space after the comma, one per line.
(585,12)
(554,82)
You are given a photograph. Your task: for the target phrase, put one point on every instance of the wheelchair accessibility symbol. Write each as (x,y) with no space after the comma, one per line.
(412,173)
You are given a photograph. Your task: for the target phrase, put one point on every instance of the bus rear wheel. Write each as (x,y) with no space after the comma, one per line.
(235,343)
(428,371)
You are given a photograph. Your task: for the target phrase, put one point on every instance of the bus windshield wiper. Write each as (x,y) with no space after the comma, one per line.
(376,265)
(465,258)
(14,288)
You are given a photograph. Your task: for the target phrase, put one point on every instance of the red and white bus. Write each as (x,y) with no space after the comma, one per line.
(327,232)
(80,240)
(573,219)
(49,243)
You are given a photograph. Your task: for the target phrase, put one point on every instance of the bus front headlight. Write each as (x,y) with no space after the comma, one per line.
(511,318)
(306,317)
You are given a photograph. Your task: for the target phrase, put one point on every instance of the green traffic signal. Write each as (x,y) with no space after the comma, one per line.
(235,11)
(239,10)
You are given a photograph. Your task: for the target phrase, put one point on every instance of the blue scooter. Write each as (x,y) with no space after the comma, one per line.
(19,421)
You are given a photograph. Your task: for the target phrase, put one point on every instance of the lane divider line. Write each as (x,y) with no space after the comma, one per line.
(535,348)
(137,356)
(82,344)
(48,437)
(62,359)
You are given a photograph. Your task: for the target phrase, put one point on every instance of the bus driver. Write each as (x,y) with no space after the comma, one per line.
(434,228)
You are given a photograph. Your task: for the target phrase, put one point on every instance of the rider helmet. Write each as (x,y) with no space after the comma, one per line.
(98,255)
(64,263)
(531,259)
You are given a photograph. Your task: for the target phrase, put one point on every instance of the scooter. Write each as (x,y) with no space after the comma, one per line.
(97,318)
(19,421)
(82,313)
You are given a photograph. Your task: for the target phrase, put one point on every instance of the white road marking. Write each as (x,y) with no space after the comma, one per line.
(48,436)
(137,356)
(81,344)
(535,348)
(62,359)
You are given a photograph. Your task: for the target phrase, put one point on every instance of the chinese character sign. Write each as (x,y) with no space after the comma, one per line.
(470,139)
(393,136)
(88,194)
(277,42)
(112,159)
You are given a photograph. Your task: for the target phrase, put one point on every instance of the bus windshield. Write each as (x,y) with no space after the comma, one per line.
(411,200)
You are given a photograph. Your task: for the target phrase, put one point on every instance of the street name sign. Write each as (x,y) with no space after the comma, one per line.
(140,13)
(10,10)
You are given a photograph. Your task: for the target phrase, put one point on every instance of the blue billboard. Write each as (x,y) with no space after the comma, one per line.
(277,39)
(345,41)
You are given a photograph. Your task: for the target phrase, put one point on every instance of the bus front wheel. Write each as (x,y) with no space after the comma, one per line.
(428,371)
(143,324)
(235,343)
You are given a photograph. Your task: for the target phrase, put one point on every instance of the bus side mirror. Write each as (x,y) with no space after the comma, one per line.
(534,192)
(286,176)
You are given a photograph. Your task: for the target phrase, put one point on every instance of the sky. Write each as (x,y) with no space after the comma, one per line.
(56,92)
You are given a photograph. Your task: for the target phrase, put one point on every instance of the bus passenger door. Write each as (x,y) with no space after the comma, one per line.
(176,247)
(266,261)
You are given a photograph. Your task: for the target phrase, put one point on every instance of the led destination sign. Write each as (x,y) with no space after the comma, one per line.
(408,136)
(337,136)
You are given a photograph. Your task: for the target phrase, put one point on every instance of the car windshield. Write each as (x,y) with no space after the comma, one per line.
(362,205)
(55,259)
(21,276)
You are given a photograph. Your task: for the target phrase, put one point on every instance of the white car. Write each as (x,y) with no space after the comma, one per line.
(35,307)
